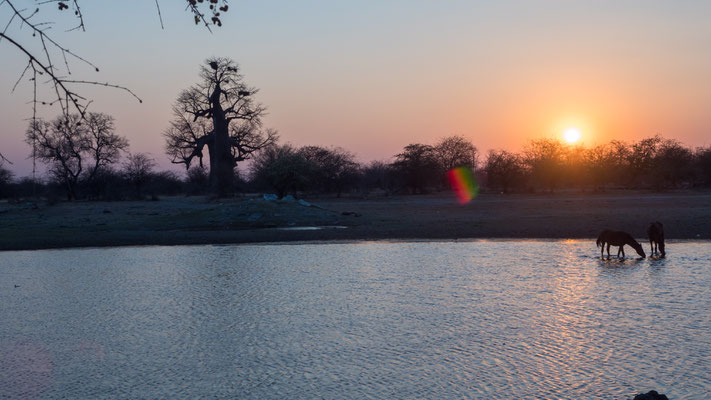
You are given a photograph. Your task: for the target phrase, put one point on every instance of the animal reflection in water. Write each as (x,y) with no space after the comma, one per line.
(617,238)
(656,237)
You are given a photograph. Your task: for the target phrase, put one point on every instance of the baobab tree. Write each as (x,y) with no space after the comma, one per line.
(220,113)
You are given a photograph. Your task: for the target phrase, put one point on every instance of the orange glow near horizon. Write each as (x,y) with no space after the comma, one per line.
(500,74)
(572,135)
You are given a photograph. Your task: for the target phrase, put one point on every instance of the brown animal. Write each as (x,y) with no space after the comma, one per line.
(656,237)
(616,238)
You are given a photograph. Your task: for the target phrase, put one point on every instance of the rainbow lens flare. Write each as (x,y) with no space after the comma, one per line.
(464,184)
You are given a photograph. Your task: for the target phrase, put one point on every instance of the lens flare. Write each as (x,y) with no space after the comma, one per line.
(464,184)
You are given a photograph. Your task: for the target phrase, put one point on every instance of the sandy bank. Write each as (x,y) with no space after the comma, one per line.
(196,220)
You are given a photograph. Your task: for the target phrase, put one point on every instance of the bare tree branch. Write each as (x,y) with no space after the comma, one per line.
(42,62)
(160,17)
(107,85)
(215,9)
(58,83)
(4,159)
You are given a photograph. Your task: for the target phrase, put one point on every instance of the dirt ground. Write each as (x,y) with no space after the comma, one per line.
(197,220)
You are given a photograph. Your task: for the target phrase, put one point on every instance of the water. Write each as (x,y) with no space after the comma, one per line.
(481,319)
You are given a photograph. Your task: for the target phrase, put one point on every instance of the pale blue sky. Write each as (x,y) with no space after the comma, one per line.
(373,76)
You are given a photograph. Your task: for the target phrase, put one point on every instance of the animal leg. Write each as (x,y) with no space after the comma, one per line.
(608,250)
(622,249)
(651,246)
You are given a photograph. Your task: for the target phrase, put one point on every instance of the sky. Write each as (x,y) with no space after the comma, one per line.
(372,76)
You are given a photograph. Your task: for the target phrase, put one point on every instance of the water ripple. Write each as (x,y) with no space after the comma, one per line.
(481,319)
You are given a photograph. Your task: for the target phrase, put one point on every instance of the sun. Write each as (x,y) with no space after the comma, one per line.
(572,135)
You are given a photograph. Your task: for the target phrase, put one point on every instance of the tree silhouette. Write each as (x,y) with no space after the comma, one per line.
(702,165)
(218,113)
(137,169)
(544,158)
(600,165)
(72,145)
(452,152)
(672,163)
(6,177)
(281,168)
(417,166)
(456,151)
(641,157)
(504,170)
(332,169)
(575,168)
(376,175)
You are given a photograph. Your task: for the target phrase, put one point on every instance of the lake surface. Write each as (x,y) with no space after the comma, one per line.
(478,319)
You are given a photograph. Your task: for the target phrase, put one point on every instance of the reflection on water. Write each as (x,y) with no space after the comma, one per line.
(482,319)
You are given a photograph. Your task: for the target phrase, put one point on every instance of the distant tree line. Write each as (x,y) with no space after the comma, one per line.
(545,165)
(652,163)
(419,168)
(218,118)
(84,162)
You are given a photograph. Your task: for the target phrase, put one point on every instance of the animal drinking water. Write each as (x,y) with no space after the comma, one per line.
(656,237)
(617,238)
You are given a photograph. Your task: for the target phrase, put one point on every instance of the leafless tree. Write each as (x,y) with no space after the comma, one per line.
(333,169)
(281,168)
(72,145)
(641,157)
(575,170)
(504,170)
(702,165)
(456,151)
(545,160)
(600,162)
(137,169)
(377,175)
(197,180)
(673,163)
(104,145)
(6,177)
(219,112)
(417,167)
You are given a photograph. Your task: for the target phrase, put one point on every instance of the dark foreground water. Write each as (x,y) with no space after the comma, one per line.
(482,319)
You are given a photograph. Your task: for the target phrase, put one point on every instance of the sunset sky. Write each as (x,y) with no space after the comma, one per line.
(373,76)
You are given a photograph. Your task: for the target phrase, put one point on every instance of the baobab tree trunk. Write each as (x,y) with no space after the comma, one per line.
(221,159)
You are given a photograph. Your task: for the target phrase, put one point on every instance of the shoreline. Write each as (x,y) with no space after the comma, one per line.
(327,242)
(199,221)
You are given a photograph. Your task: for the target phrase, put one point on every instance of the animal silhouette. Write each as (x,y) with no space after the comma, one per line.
(656,237)
(620,239)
